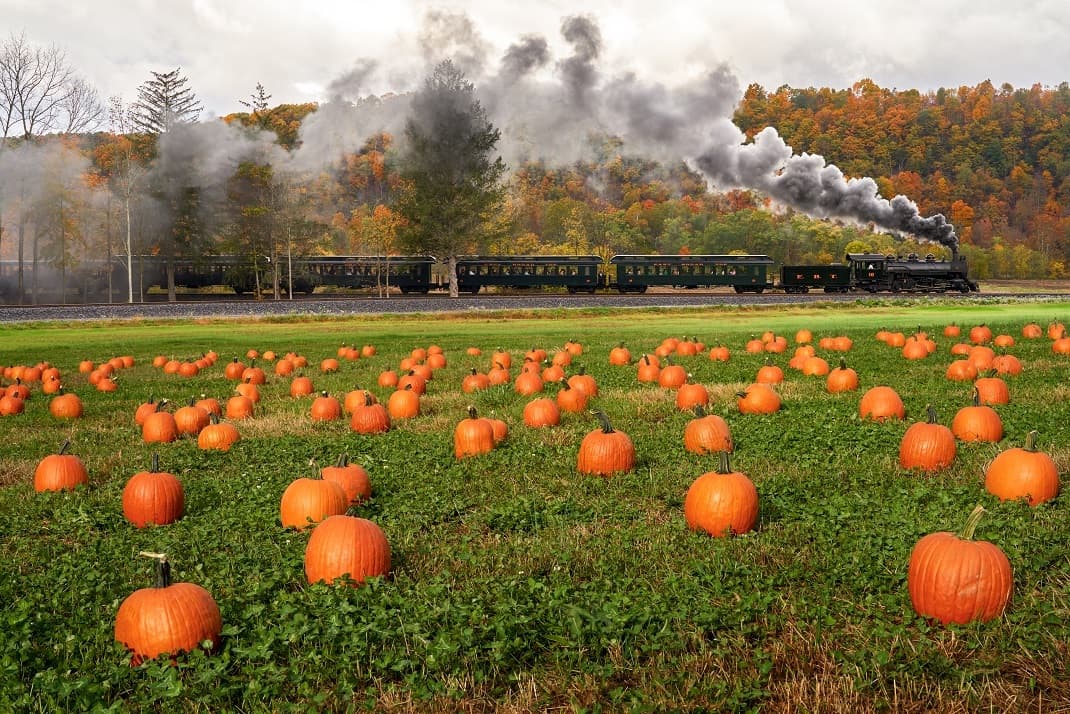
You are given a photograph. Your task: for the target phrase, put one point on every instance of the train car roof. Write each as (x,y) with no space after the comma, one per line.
(760,259)
(366,258)
(529,259)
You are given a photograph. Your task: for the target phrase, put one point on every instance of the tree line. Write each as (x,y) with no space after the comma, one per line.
(155,180)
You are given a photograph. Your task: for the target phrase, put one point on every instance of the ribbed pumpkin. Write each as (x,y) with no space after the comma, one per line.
(977,422)
(584,381)
(954,579)
(528,383)
(239,407)
(605,451)
(168,619)
(10,406)
(770,374)
(309,500)
(346,547)
(353,479)
(369,417)
(707,433)
(542,412)
(1023,473)
(927,446)
(472,436)
(672,376)
(474,381)
(300,386)
(218,436)
(961,370)
(60,471)
(721,502)
(153,497)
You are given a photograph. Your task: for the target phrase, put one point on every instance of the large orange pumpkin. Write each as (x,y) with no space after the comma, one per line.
(707,433)
(472,436)
(1023,473)
(605,451)
(307,501)
(346,547)
(721,502)
(881,403)
(168,619)
(153,497)
(927,446)
(60,472)
(954,579)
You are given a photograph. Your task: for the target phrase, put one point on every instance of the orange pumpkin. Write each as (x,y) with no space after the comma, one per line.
(472,436)
(881,403)
(60,472)
(1023,473)
(707,433)
(927,446)
(307,501)
(153,497)
(346,547)
(721,502)
(954,579)
(605,451)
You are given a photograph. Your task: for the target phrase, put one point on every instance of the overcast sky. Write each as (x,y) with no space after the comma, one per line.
(295,49)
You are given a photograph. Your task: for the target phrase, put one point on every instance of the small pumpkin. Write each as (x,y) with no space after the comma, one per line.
(977,422)
(300,386)
(191,419)
(403,404)
(571,400)
(159,427)
(707,433)
(881,403)
(721,502)
(325,408)
(1023,473)
(60,472)
(841,379)
(472,436)
(474,381)
(353,478)
(770,374)
(620,355)
(307,501)
(542,412)
(605,451)
(218,435)
(153,497)
(955,579)
(992,390)
(757,399)
(65,406)
(346,547)
(648,370)
(927,446)
(691,394)
(167,619)
(369,417)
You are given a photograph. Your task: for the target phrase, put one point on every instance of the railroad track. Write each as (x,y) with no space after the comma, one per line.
(207,307)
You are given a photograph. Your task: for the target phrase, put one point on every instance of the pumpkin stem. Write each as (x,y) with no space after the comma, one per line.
(63,449)
(724,465)
(607,428)
(213,418)
(646,359)
(971,522)
(976,397)
(930,413)
(843,363)
(343,461)
(1031,441)
(163,568)
(367,398)
(564,384)
(155,468)
(699,411)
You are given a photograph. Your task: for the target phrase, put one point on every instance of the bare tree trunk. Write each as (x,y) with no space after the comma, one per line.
(454,291)
(22,248)
(129,253)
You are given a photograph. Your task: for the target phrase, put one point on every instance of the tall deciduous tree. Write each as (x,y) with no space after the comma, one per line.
(453,177)
(39,94)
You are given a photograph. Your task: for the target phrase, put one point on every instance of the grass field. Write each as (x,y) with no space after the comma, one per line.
(518,584)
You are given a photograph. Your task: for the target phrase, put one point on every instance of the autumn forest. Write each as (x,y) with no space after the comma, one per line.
(995,161)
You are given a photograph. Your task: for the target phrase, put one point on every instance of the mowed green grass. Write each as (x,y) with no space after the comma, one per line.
(517,583)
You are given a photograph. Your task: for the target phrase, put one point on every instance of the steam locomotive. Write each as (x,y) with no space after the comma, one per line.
(860,272)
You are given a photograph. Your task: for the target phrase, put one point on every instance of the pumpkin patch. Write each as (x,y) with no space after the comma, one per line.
(487,554)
